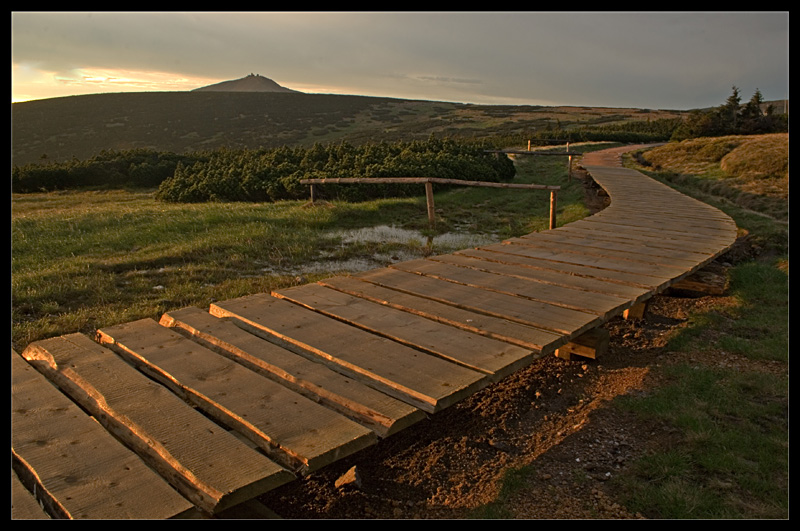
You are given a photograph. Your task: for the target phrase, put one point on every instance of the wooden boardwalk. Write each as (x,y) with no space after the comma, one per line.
(207,409)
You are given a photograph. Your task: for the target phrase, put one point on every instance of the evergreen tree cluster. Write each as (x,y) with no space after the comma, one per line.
(269,174)
(275,174)
(138,168)
(733,118)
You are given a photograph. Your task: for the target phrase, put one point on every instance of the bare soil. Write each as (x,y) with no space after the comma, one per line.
(555,416)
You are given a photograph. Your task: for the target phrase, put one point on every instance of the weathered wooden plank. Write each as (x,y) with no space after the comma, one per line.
(380,412)
(503,254)
(641,256)
(536,339)
(602,304)
(549,276)
(298,433)
(718,238)
(495,358)
(77,469)
(559,254)
(638,252)
(637,217)
(534,313)
(208,465)
(410,375)
(23,504)
(604,232)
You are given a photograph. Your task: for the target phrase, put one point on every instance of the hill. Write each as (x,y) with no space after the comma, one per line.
(59,129)
(250,83)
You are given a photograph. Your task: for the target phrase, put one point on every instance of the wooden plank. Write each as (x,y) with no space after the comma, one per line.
(602,304)
(503,254)
(77,469)
(538,340)
(658,243)
(641,256)
(204,462)
(639,252)
(659,274)
(718,238)
(534,313)
(655,239)
(549,276)
(410,375)
(291,429)
(479,353)
(381,413)
(561,254)
(24,505)
(637,215)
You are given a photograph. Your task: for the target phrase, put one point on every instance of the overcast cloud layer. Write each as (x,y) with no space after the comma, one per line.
(664,60)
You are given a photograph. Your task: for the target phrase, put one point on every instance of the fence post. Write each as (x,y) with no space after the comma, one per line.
(569,165)
(429,198)
(313,194)
(553,202)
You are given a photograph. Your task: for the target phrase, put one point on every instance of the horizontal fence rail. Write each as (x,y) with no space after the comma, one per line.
(567,153)
(429,181)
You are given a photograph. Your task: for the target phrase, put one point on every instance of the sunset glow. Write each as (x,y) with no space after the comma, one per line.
(30,83)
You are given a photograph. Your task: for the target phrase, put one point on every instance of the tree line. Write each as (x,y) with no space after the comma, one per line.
(275,174)
(733,118)
(269,174)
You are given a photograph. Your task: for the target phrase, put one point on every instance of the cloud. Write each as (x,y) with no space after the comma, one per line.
(667,60)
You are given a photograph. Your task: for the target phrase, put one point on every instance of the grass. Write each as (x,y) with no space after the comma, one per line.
(83,260)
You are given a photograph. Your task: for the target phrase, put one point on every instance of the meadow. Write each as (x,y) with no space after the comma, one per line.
(84,259)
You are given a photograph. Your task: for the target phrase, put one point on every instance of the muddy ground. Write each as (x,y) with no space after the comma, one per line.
(554,415)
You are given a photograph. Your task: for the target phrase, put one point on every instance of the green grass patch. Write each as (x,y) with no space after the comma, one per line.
(732,458)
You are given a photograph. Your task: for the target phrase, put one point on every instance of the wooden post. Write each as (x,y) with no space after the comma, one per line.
(553,204)
(529,145)
(636,311)
(591,344)
(429,197)
(569,165)
(311,186)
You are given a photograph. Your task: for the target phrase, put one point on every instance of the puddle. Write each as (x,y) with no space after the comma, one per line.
(417,245)
(450,241)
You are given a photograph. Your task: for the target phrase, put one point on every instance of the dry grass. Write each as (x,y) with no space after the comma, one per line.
(757,164)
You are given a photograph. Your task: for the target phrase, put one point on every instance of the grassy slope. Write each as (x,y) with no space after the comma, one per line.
(178,122)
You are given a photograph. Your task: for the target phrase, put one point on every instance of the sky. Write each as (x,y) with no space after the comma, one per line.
(658,60)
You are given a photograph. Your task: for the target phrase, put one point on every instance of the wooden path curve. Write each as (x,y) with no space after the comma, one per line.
(207,409)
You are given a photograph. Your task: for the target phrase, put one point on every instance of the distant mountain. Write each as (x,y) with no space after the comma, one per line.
(250,83)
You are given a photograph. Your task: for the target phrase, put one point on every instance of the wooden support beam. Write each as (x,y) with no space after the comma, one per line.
(553,206)
(429,199)
(705,281)
(636,311)
(591,344)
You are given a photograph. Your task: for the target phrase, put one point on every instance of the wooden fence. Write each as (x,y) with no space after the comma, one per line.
(428,182)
